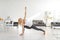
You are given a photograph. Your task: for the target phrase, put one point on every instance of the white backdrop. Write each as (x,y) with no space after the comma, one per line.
(35,8)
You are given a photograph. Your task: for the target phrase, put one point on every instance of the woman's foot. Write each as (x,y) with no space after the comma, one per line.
(44,33)
(21,34)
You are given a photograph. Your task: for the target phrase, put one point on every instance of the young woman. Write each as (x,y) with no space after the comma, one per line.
(21,23)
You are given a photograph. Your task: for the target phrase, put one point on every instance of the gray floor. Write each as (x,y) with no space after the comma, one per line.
(30,34)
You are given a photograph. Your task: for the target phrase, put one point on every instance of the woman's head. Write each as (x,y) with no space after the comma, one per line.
(20,20)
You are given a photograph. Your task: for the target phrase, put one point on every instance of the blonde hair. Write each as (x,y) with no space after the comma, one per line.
(19,20)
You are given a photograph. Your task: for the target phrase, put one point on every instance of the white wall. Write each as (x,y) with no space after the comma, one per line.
(35,8)
(13,8)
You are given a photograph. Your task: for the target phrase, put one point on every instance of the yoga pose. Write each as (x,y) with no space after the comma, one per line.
(21,23)
(34,27)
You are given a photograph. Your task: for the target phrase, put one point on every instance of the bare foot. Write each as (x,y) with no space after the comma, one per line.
(21,34)
(44,33)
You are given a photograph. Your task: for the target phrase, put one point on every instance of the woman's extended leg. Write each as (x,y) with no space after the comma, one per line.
(25,26)
(34,27)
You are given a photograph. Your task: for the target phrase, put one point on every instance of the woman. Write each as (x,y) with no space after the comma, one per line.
(21,23)
(21,26)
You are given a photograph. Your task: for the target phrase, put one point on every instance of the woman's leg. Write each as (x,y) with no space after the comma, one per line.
(34,27)
(27,27)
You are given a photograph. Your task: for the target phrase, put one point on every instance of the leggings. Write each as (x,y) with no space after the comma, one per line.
(27,27)
(34,27)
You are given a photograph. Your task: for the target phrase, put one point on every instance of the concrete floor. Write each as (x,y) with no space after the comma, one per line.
(30,34)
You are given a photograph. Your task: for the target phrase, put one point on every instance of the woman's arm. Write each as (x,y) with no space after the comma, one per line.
(23,22)
(25,16)
(22,28)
